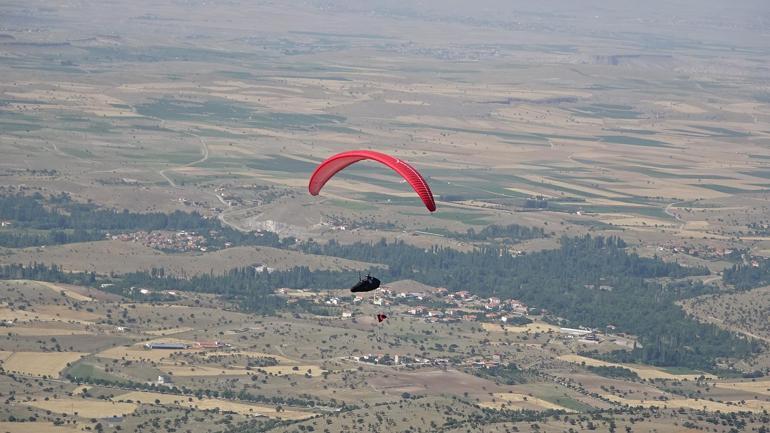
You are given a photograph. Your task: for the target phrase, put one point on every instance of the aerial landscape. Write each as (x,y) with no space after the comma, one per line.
(565,226)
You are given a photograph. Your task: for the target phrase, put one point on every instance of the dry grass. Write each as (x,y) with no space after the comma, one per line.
(85,408)
(535,327)
(250,354)
(43,314)
(758,387)
(690,403)
(36,427)
(67,291)
(197,371)
(278,370)
(521,401)
(644,372)
(42,332)
(65,313)
(210,404)
(624,220)
(286,370)
(40,363)
(56,288)
(172,331)
(139,353)
(105,257)
(81,389)
(592,191)
(680,107)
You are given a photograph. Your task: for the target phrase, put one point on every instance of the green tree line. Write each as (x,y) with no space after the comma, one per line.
(748,276)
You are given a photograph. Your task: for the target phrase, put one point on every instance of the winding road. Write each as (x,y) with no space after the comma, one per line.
(204,158)
(670,213)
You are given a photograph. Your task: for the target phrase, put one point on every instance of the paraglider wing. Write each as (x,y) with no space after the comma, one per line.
(338,162)
(381,317)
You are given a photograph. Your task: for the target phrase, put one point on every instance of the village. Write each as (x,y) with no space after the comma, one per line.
(439,305)
(707,252)
(182,241)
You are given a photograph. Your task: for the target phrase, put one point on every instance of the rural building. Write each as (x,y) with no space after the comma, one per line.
(575,332)
(416,311)
(492,303)
(592,337)
(209,344)
(164,380)
(166,346)
(264,268)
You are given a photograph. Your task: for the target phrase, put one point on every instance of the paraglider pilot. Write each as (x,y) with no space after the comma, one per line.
(366,284)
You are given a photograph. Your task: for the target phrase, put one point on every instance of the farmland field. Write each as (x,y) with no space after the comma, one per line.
(39,364)
(85,408)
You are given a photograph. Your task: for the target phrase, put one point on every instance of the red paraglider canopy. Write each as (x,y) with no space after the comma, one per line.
(338,162)
(381,317)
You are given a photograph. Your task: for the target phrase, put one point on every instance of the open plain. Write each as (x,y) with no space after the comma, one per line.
(164,268)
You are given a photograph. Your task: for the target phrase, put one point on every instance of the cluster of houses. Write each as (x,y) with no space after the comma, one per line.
(703,251)
(175,241)
(416,361)
(485,362)
(395,360)
(441,305)
(436,305)
(187,202)
(226,197)
(714,253)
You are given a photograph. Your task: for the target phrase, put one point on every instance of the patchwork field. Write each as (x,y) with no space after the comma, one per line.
(38,363)
(211,404)
(757,387)
(536,327)
(43,332)
(190,130)
(85,408)
(520,401)
(36,427)
(757,406)
(644,372)
(116,256)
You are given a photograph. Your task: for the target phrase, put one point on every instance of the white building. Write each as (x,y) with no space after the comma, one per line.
(575,332)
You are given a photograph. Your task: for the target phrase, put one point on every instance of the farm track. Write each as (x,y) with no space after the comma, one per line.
(674,215)
(204,158)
